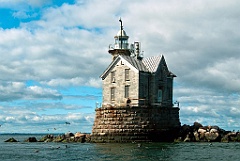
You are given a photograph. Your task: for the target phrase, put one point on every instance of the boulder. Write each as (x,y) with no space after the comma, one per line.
(58,139)
(184,131)
(47,138)
(225,139)
(188,138)
(215,127)
(232,136)
(31,139)
(202,136)
(211,136)
(88,137)
(11,140)
(196,135)
(69,135)
(205,128)
(213,131)
(202,131)
(196,126)
(78,135)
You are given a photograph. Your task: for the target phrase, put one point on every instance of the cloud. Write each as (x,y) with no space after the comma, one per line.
(78,81)
(11,91)
(23,15)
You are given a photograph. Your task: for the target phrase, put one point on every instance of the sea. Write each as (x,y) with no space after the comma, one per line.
(188,151)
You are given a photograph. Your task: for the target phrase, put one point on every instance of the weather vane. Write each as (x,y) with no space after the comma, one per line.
(121,31)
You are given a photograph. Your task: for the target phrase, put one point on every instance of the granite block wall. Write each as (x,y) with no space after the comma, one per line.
(133,123)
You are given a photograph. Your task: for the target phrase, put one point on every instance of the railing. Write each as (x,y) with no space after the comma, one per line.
(118,46)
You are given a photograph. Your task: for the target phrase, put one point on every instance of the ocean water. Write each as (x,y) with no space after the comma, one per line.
(110,151)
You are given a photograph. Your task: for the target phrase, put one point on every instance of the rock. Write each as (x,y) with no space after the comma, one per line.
(211,136)
(47,138)
(197,132)
(202,136)
(202,131)
(88,137)
(80,139)
(184,131)
(69,135)
(78,135)
(11,140)
(205,128)
(232,136)
(215,127)
(67,138)
(196,126)
(196,135)
(225,139)
(58,139)
(188,138)
(238,137)
(213,131)
(31,139)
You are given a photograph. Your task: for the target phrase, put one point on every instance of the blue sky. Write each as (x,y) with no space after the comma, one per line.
(53,52)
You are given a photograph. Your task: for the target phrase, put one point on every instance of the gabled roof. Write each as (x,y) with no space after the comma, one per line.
(152,64)
(149,64)
(135,63)
(109,68)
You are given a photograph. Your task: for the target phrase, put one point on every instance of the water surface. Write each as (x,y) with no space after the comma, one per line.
(110,151)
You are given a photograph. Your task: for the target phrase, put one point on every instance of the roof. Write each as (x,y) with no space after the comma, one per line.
(149,64)
(123,33)
(152,63)
(133,61)
(136,63)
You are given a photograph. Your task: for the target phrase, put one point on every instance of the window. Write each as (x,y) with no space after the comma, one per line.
(159,99)
(126,91)
(127,74)
(113,77)
(112,94)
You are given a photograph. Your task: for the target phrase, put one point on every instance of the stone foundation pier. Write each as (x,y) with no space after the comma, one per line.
(134,123)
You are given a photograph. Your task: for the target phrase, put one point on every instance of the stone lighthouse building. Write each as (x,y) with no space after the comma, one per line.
(137,97)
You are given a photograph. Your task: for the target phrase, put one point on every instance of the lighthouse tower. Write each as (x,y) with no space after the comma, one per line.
(121,46)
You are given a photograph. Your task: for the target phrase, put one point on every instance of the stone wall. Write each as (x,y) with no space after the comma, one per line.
(127,124)
(120,84)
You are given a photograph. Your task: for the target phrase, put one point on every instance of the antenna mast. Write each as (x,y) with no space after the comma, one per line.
(121,30)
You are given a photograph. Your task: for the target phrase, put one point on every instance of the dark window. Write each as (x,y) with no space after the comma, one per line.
(112,94)
(113,79)
(127,91)
(127,74)
(160,93)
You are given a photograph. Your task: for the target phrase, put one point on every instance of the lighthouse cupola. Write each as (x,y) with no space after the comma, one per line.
(121,46)
(121,40)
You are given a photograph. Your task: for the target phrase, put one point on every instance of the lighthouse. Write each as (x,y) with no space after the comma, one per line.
(137,100)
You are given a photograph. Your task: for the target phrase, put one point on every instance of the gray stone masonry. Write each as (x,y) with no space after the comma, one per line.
(128,124)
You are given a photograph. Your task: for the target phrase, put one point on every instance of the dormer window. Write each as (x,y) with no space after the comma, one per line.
(113,79)
(127,74)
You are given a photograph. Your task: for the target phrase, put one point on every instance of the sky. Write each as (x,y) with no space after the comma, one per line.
(52,53)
